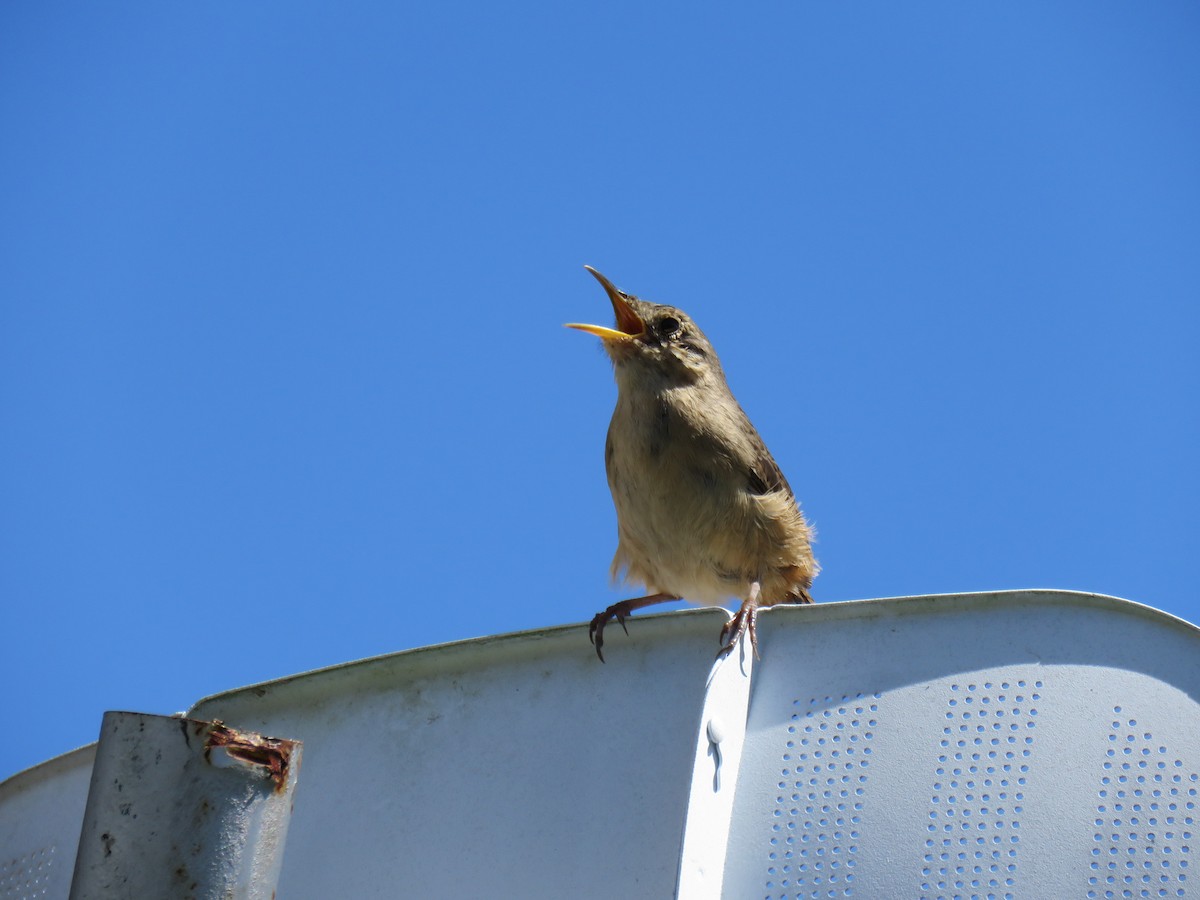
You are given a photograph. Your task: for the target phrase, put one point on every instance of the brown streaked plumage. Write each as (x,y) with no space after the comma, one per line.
(703,511)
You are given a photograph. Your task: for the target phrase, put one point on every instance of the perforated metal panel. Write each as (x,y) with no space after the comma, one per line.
(1036,744)
(979,787)
(1145,815)
(822,783)
(30,875)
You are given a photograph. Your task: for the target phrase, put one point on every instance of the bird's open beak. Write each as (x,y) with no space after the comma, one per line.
(629,323)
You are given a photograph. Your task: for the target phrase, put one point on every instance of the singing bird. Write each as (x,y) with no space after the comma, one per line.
(703,511)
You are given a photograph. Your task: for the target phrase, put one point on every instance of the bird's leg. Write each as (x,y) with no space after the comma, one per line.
(744,621)
(619,611)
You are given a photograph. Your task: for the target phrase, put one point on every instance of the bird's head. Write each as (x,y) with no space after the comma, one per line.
(652,340)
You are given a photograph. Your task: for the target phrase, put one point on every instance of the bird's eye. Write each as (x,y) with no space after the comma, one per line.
(668,327)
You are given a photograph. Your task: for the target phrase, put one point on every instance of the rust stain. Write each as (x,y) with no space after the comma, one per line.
(272,754)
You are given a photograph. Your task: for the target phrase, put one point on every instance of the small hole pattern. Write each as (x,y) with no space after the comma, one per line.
(821,792)
(974,825)
(27,877)
(1145,816)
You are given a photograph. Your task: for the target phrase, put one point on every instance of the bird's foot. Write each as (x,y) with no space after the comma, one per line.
(619,611)
(744,622)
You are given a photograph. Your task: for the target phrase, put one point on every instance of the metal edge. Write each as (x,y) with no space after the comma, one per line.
(432,657)
(974,600)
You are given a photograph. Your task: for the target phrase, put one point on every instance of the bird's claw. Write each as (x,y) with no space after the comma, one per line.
(744,622)
(617,611)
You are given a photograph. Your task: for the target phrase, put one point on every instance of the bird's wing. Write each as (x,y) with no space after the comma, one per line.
(765,476)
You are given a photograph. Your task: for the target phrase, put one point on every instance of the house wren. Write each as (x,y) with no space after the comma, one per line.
(703,512)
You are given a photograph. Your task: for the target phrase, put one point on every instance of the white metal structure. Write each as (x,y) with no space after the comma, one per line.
(1032,744)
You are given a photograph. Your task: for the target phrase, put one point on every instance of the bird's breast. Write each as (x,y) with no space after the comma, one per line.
(687,524)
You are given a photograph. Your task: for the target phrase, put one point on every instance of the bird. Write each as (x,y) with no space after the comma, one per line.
(703,511)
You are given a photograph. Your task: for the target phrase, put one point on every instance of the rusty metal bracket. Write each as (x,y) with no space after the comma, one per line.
(183,808)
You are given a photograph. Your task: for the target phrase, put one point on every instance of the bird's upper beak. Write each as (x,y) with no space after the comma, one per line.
(629,323)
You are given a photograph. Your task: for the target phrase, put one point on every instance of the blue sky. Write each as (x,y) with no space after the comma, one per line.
(282,372)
